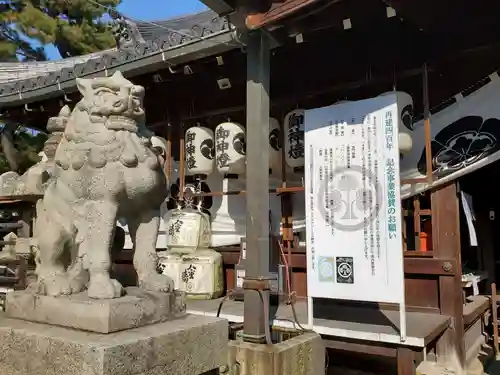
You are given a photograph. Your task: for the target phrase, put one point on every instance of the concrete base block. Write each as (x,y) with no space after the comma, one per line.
(432,368)
(137,308)
(191,345)
(300,355)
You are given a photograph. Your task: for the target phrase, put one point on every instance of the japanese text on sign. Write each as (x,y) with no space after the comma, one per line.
(352,206)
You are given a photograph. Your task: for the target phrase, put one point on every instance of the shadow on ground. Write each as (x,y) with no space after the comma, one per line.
(493,368)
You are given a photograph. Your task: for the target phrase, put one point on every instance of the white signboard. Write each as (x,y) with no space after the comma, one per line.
(353,206)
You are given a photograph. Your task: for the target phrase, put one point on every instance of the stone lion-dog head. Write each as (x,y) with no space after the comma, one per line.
(107,125)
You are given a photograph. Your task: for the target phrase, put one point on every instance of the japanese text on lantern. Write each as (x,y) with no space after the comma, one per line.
(222,146)
(190,150)
(296,136)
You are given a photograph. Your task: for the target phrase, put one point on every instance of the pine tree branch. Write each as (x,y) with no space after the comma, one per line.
(73,26)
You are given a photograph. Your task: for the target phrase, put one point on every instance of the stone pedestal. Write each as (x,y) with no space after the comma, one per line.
(191,345)
(137,308)
(432,368)
(300,355)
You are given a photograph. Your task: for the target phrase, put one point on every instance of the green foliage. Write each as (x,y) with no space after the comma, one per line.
(11,42)
(28,146)
(75,27)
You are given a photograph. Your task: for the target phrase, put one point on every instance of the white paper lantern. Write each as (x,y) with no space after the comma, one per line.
(275,146)
(230,148)
(294,138)
(160,145)
(405,106)
(200,152)
(405,143)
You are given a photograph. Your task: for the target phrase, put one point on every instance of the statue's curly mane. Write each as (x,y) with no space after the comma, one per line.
(106,126)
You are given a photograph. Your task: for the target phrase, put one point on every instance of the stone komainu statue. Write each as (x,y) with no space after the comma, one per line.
(105,167)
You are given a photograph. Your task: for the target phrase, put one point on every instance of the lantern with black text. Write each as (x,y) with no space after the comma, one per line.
(294,138)
(405,143)
(274,146)
(230,148)
(200,152)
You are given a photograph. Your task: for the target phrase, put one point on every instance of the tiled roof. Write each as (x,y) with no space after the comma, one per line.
(169,42)
(197,24)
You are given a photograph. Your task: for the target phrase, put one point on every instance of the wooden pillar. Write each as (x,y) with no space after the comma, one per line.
(405,362)
(257,183)
(446,244)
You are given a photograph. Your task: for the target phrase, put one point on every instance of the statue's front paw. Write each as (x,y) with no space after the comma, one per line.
(55,285)
(101,286)
(79,279)
(78,284)
(157,283)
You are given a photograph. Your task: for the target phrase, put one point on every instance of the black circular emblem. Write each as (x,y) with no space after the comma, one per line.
(344,270)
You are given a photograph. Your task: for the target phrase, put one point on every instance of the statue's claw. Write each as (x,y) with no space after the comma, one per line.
(101,286)
(157,283)
(54,285)
(77,285)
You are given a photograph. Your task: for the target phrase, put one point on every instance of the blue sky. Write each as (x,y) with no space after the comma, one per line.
(149,10)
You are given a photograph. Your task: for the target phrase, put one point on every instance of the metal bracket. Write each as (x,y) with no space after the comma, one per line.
(447,267)
(241,36)
(253,338)
(259,283)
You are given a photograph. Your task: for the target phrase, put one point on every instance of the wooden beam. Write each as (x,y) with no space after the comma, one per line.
(430,266)
(355,346)
(412,266)
(278,11)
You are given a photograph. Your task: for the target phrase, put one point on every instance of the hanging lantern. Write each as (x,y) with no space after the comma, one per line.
(405,143)
(405,108)
(200,152)
(294,138)
(230,148)
(274,146)
(159,145)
